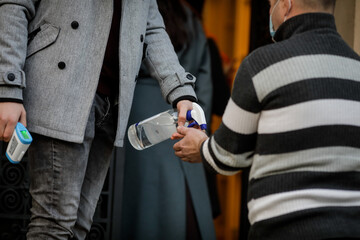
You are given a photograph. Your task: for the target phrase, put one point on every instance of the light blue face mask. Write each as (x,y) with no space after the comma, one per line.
(271,26)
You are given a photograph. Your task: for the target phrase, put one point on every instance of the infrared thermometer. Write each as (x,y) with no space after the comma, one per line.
(19,143)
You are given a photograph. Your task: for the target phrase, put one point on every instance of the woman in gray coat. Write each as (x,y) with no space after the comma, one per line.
(165,198)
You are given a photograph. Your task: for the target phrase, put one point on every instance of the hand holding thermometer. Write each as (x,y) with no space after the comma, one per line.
(19,143)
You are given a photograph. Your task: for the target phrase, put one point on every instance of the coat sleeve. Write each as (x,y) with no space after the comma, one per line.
(163,63)
(14,18)
(232,146)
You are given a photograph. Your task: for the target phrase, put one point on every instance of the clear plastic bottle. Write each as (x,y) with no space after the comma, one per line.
(153,130)
(160,127)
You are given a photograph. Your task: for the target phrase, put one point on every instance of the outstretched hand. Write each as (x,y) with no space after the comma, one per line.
(188,149)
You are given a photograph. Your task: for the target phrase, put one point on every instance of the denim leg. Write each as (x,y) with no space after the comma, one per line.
(97,168)
(60,177)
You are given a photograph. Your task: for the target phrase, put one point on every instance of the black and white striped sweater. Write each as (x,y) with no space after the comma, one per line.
(294,117)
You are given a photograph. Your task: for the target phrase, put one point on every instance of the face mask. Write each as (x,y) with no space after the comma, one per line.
(271,26)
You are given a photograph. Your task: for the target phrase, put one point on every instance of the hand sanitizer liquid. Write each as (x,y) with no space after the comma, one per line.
(153,130)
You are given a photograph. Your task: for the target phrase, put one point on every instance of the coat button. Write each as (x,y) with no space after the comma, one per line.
(61,65)
(190,77)
(141,37)
(75,25)
(11,77)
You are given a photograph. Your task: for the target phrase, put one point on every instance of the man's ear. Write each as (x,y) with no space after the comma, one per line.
(287,4)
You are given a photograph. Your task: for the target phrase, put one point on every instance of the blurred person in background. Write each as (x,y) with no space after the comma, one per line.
(163,197)
(221,80)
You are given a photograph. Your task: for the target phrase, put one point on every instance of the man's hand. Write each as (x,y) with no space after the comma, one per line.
(188,149)
(10,114)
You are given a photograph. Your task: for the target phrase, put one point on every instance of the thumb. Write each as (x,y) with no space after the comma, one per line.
(182,130)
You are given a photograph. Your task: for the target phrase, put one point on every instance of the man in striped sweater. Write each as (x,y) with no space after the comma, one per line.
(294,118)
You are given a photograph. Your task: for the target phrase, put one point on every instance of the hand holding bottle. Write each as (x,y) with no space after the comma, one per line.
(162,126)
(183,107)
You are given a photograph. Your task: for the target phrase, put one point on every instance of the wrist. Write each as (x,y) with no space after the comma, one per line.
(201,142)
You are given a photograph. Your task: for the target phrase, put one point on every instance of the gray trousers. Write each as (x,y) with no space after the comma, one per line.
(66,178)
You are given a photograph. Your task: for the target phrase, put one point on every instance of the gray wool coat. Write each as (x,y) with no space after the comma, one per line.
(51,54)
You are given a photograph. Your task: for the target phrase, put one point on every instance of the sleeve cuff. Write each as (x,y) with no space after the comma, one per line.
(207,166)
(190,98)
(11,100)
(13,79)
(15,94)
(181,91)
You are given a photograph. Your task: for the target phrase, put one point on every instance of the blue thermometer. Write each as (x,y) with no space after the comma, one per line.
(19,143)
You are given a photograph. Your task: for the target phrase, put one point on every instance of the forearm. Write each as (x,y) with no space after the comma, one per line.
(233,145)
(163,63)
(229,154)
(14,17)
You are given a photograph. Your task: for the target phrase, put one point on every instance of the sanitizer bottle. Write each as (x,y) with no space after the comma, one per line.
(161,126)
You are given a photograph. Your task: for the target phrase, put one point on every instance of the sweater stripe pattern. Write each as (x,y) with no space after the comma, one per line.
(294,118)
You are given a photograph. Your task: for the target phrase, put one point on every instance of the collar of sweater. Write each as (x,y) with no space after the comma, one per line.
(304,23)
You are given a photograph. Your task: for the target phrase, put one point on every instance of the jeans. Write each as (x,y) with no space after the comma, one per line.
(66,178)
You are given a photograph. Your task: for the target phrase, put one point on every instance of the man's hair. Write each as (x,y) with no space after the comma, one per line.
(325,4)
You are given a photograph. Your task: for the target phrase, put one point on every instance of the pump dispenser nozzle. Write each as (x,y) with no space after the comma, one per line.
(197,115)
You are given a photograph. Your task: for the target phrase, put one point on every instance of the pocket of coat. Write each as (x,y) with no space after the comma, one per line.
(41,38)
